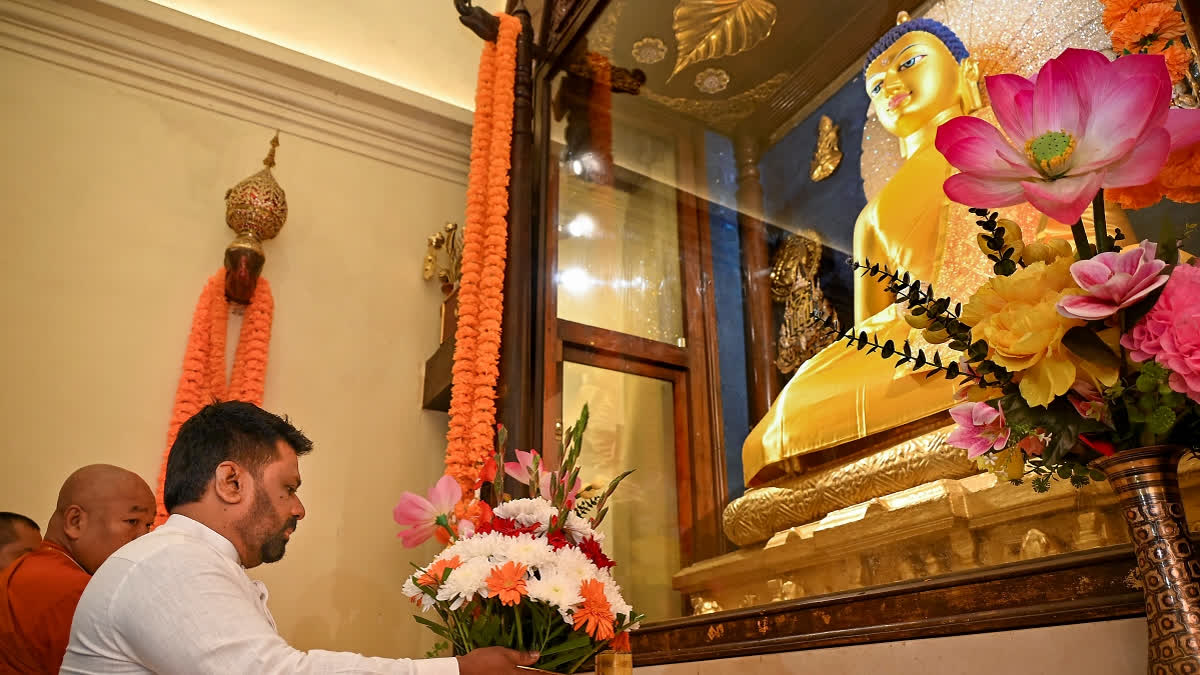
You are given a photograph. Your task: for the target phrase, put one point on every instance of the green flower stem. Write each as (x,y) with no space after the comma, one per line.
(1103,243)
(1081,240)
(517,617)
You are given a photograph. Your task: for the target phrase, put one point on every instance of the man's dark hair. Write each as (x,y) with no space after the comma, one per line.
(230,431)
(8,526)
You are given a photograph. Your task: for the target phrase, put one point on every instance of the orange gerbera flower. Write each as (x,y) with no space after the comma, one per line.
(508,582)
(595,615)
(433,576)
(1115,10)
(621,642)
(1148,25)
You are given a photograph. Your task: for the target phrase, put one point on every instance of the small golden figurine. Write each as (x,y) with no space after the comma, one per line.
(828,156)
(449,241)
(448,244)
(794,283)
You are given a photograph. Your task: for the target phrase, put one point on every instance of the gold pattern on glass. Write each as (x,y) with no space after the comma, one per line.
(828,155)
(794,284)
(711,29)
(649,50)
(712,80)
(722,115)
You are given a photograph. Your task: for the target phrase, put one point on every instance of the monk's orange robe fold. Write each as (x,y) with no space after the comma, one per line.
(38,594)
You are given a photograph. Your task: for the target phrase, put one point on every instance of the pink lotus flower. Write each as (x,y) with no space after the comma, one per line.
(980,429)
(1112,281)
(425,516)
(1082,124)
(1170,332)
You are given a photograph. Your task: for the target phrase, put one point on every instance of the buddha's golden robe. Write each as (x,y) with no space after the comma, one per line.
(842,394)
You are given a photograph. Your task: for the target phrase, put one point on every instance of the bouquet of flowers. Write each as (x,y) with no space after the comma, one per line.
(1068,353)
(527,573)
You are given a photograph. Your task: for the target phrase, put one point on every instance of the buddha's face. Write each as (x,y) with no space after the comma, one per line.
(912,82)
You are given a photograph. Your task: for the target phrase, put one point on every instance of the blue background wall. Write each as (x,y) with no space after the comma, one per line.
(792,201)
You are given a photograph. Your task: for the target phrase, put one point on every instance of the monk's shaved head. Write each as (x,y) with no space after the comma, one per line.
(98,485)
(100,509)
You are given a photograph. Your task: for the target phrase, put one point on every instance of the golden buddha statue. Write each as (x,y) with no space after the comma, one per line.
(918,76)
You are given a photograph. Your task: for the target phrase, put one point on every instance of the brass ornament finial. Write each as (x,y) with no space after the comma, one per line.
(902,17)
(257,206)
(255,209)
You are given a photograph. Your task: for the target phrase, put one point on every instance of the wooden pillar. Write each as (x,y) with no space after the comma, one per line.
(516,408)
(756,282)
(1191,16)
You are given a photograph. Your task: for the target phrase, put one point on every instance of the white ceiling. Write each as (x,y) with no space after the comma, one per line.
(416,44)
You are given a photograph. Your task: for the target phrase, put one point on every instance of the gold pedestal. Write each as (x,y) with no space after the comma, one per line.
(939,527)
(794,500)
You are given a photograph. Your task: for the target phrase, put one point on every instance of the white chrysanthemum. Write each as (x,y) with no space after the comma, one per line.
(530,551)
(557,590)
(411,590)
(572,563)
(612,593)
(477,546)
(526,512)
(465,582)
(580,528)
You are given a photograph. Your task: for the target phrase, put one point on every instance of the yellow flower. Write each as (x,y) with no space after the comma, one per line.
(1018,318)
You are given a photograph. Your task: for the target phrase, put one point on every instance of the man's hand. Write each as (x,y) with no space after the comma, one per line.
(495,661)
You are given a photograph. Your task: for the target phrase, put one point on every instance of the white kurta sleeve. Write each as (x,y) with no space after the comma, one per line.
(185,615)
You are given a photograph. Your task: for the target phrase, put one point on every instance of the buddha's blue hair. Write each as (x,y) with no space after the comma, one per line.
(937,29)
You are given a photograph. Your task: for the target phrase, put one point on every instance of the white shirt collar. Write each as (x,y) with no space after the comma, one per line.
(203,532)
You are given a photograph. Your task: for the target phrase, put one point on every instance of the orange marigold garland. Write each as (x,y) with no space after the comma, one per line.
(470,439)
(1155,27)
(203,378)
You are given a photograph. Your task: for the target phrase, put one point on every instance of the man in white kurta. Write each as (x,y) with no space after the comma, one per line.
(178,601)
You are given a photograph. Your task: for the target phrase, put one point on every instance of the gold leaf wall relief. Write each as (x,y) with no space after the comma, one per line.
(710,29)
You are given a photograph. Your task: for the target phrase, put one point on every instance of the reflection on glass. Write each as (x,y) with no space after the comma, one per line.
(618,238)
(632,427)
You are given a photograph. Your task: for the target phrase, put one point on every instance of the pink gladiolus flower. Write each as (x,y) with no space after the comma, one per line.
(1113,280)
(980,429)
(520,469)
(1088,401)
(421,515)
(1082,124)
(1170,333)
(544,486)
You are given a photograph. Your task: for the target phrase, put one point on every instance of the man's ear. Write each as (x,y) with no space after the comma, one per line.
(74,521)
(231,482)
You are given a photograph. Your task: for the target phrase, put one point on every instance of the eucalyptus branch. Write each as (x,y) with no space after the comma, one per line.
(906,354)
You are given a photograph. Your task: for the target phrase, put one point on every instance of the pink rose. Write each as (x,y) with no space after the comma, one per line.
(1113,281)
(1170,333)
(980,429)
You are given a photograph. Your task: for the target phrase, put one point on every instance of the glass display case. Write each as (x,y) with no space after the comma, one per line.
(706,171)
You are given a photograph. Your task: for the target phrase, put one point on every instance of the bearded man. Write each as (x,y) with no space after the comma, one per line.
(179,600)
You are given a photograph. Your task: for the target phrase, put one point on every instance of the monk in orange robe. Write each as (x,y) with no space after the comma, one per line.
(18,535)
(100,509)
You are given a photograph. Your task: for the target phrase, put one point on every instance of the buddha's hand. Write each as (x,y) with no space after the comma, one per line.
(495,661)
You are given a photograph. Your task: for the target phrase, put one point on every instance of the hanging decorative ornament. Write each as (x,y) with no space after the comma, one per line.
(256,209)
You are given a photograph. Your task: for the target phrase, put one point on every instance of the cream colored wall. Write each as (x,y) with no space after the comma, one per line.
(417,44)
(112,218)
